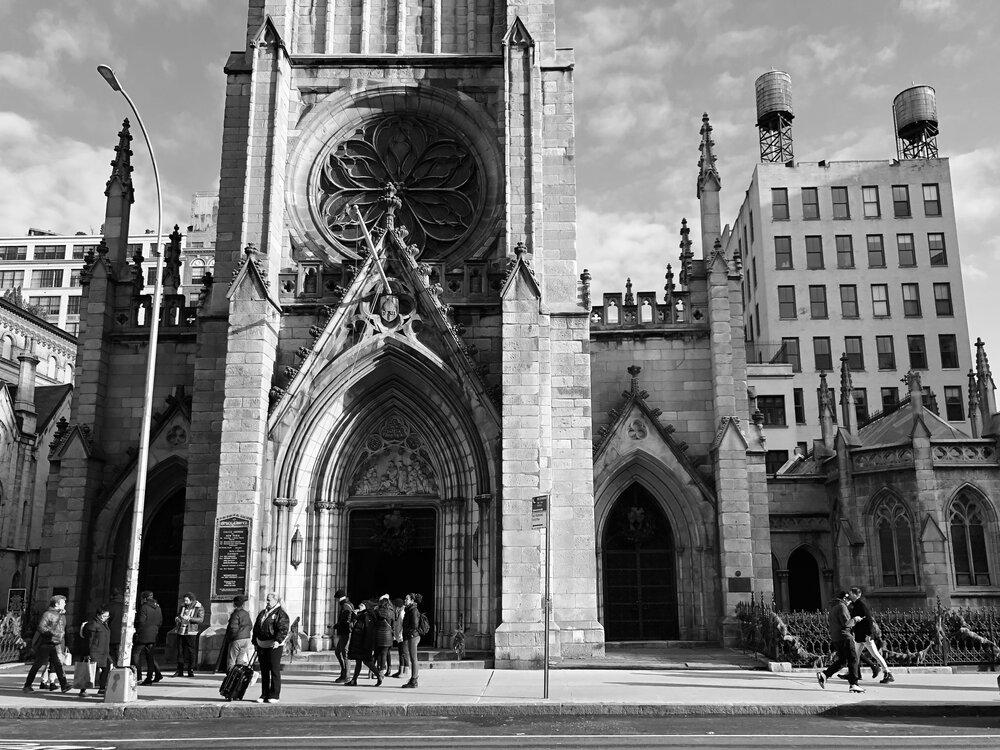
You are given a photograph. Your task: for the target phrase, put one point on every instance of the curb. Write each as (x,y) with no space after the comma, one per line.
(500,710)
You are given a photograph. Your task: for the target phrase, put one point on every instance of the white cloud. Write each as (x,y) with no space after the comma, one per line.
(929,10)
(975,179)
(615,245)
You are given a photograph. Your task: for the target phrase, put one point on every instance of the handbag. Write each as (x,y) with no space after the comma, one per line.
(84,674)
(65,657)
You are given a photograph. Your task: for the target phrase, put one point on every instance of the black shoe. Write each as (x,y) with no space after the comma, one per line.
(67,688)
(887,679)
(351,683)
(875,671)
(410,684)
(27,689)
(379,678)
(178,673)
(340,680)
(158,677)
(52,686)
(146,682)
(190,673)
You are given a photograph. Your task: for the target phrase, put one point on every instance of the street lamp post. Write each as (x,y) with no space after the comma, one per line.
(121,684)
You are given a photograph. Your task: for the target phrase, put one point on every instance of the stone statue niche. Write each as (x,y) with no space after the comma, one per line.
(394,462)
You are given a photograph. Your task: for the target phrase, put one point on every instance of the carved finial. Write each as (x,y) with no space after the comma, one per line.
(121,167)
(846,382)
(585,287)
(668,288)
(737,260)
(687,257)
(392,203)
(520,249)
(250,250)
(633,373)
(824,392)
(629,297)
(912,380)
(983,363)
(172,261)
(706,163)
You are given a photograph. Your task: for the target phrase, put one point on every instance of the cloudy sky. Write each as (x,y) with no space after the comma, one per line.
(646,70)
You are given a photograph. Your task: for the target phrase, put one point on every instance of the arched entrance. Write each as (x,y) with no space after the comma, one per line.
(639,566)
(804,583)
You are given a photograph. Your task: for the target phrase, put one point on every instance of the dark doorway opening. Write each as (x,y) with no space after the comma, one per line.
(639,564)
(392,551)
(804,592)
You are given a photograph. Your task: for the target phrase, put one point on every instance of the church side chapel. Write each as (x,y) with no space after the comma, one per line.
(397,352)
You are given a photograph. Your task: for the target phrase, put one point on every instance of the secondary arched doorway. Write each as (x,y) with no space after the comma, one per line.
(805,592)
(639,570)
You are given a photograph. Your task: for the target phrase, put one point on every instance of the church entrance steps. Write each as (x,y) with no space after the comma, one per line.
(326,661)
(664,655)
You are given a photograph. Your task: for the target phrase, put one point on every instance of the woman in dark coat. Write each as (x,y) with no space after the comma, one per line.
(385,616)
(148,620)
(362,643)
(97,634)
(411,634)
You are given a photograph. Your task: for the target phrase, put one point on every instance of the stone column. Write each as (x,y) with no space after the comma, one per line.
(320,640)
(781,589)
(484,616)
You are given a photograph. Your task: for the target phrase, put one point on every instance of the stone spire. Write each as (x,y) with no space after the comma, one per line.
(121,196)
(984,379)
(24,403)
(629,296)
(172,262)
(826,412)
(975,418)
(709,185)
(687,257)
(706,164)
(846,394)
(912,380)
(121,166)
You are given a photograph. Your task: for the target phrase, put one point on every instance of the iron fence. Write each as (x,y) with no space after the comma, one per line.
(935,636)
(12,645)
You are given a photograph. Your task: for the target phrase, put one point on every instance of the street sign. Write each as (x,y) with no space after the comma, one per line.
(541,518)
(539,504)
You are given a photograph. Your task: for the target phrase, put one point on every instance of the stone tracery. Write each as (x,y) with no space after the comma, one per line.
(395,461)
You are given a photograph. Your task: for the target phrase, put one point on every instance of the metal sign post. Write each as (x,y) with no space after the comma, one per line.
(539,505)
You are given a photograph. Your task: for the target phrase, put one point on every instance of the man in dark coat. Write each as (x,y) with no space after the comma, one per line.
(362,644)
(867,636)
(148,620)
(342,632)
(98,638)
(51,636)
(270,631)
(842,640)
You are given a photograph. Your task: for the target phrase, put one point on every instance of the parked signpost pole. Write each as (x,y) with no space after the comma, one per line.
(539,505)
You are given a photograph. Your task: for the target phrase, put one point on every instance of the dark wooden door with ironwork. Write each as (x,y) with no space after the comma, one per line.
(640,583)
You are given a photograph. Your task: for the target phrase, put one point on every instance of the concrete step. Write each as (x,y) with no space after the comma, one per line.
(423,655)
(322,667)
(636,645)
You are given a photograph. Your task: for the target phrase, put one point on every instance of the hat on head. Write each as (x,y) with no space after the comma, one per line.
(239,601)
(339,593)
(384,596)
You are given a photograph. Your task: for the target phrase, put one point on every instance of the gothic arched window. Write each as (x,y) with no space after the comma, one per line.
(968,517)
(894,532)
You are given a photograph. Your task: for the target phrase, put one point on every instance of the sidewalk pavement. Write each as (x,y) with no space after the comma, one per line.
(518,693)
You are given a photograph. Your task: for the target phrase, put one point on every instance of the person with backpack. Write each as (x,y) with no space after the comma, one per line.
(413,623)
(148,620)
(51,635)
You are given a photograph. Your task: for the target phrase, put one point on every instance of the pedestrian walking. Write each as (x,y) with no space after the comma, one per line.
(148,620)
(867,635)
(190,615)
(342,632)
(362,645)
(842,640)
(51,633)
(397,638)
(239,631)
(97,635)
(270,630)
(385,615)
(411,634)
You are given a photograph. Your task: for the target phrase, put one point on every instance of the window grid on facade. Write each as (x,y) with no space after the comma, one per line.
(967,518)
(13,252)
(799,403)
(948,344)
(855,353)
(907,252)
(954,407)
(942,300)
(814,253)
(779,204)
(911,300)
(936,248)
(860,398)
(50,252)
(845,251)
(11,279)
(890,397)
(74,277)
(886,351)
(48,306)
(773,409)
(932,200)
(876,251)
(822,355)
(80,251)
(895,543)
(841,204)
(849,301)
(869,197)
(786,302)
(774,460)
(810,203)
(790,348)
(817,301)
(880,300)
(918,352)
(73,305)
(901,201)
(783,253)
(46,278)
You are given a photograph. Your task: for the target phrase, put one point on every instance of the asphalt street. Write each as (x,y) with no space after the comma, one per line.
(816,733)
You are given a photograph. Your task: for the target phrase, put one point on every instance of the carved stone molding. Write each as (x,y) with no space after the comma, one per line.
(285,502)
(324,505)
(395,462)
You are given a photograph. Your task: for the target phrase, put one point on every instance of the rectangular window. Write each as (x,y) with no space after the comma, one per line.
(869,195)
(13,252)
(786,302)
(841,207)
(860,396)
(151,276)
(756,315)
(73,329)
(918,352)
(790,347)
(810,203)
(779,204)
(817,301)
(753,268)
(11,279)
(935,244)
(50,252)
(133,248)
(73,305)
(876,251)
(751,220)
(942,300)
(911,300)
(886,352)
(814,253)
(46,278)
(74,277)
(948,344)
(47,306)
(855,353)
(783,253)
(953,407)
(928,399)
(833,400)
(907,253)
(80,251)
(901,201)
(880,300)
(774,460)
(773,409)
(932,200)
(845,251)
(800,406)
(821,354)
(848,300)
(890,398)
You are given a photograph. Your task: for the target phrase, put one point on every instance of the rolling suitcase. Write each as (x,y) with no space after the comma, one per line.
(237,680)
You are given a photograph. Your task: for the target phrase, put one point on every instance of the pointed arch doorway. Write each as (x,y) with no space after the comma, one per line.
(639,570)
(804,582)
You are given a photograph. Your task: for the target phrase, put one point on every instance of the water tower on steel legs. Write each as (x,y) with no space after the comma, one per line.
(914,113)
(774,116)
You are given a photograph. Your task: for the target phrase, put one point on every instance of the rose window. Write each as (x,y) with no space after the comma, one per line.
(435,176)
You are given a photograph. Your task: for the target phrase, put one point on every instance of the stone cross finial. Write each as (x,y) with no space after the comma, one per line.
(629,297)
(520,249)
(585,287)
(975,418)
(633,372)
